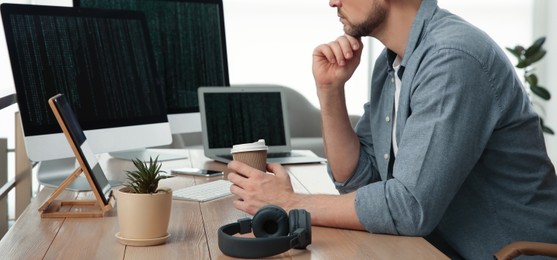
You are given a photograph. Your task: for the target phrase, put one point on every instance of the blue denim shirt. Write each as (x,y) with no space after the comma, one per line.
(471,166)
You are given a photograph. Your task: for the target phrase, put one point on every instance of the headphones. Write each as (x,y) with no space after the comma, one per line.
(275,232)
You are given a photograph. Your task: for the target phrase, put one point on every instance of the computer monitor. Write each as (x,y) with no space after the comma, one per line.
(7,89)
(190,50)
(102,61)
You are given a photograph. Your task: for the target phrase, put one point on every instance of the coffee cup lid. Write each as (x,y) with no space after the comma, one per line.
(248,147)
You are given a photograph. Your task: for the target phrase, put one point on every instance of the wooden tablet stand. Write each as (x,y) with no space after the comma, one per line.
(53,208)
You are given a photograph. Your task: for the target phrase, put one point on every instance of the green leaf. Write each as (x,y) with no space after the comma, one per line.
(536,46)
(532,80)
(541,92)
(514,52)
(519,49)
(522,64)
(547,130)
(535,57)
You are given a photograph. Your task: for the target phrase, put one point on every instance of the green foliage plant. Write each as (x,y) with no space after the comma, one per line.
(526,57)
(146,176)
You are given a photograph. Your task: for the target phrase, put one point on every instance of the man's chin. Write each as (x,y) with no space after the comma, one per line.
(348,30)
(354,33)
(351,33)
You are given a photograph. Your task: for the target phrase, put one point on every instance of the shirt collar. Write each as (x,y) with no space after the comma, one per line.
(391,57)
(417,32)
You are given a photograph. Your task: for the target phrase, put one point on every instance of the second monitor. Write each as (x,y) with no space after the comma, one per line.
(189,43)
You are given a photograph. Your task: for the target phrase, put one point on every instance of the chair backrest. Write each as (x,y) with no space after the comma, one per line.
(305,118)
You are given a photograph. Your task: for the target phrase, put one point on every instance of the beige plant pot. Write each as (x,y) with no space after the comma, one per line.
(143,218)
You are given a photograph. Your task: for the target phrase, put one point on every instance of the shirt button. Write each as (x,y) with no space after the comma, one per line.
(387,119)
(386,157)
(393,79)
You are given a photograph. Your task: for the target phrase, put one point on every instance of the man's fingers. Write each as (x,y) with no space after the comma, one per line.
(339,50)
(325,51)
(245,169)
(277,169)
(355,43)
(237,179)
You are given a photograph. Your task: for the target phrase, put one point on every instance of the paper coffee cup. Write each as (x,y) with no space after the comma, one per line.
(252,154)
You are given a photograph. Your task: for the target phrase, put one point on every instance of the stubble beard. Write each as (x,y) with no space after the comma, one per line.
(366,28)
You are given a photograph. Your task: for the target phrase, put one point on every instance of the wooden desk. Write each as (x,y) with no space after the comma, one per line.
(193,227)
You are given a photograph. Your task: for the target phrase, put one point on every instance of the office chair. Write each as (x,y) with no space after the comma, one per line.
(519,248)
(305,122)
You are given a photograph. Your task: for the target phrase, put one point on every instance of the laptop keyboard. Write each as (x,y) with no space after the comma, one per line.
(269,155)
(278,155)
(204,192)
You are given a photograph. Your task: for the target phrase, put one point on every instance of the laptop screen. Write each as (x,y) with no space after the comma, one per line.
(244,117)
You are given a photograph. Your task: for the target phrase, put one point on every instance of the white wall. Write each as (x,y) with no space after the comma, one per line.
(545,23)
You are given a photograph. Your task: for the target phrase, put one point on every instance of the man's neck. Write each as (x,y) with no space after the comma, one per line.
(395,31)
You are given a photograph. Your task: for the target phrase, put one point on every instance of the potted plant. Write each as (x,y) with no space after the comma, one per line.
(143,207)
(526,57)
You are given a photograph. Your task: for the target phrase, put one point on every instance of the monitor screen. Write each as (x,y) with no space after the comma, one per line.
(190,50)
(102,61)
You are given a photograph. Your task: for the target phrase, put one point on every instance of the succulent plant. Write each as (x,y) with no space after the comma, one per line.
(145,178)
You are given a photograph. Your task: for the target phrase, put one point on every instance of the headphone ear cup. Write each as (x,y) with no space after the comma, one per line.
(300,221)
(270,221)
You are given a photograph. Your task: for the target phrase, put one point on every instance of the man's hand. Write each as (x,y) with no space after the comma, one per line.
(256,189)
(335,62)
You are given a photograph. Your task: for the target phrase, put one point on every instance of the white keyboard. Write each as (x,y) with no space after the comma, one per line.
(204,192)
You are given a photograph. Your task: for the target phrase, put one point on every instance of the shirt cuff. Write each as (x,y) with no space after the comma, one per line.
(362,175)
(372,209)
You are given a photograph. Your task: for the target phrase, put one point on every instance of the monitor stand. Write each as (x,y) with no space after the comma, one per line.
(52,173)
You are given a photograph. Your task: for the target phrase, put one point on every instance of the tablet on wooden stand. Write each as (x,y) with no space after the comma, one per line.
(88,165)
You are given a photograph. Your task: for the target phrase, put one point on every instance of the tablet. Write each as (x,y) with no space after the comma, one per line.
(78,142)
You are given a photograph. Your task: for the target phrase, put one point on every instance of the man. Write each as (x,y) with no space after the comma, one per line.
(448,146)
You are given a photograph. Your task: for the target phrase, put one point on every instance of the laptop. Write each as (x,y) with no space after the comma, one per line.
(245,114)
